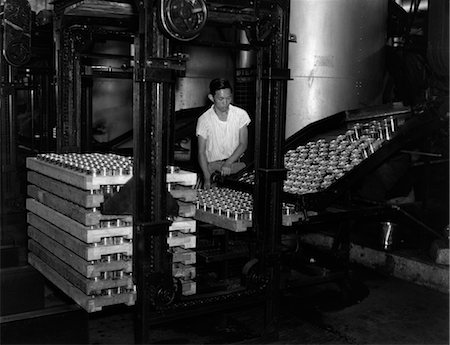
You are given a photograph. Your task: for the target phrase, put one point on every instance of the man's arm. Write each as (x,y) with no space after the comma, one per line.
(203,162)
(242,147)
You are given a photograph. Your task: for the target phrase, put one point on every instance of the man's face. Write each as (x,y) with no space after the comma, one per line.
(222,99)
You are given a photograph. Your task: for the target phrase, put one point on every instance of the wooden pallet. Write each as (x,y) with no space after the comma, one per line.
(72,177)
(88,269)
(89,286)
(87,234)
(88,303)
(239,225)
(75,195)
(90,182)
(86,251)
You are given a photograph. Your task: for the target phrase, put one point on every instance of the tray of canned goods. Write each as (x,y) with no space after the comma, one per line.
(90,171)
(328,157)
(233,209)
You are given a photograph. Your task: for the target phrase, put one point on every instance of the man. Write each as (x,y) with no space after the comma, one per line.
(222,133)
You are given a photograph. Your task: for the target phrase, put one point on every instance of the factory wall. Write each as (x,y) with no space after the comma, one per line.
(337,61)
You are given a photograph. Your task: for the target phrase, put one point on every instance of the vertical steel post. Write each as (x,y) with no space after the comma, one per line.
(269,164)
(152,112)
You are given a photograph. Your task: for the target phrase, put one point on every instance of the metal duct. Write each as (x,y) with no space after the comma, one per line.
(337,61)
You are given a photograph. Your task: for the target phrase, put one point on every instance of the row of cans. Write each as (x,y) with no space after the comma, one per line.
(93,164)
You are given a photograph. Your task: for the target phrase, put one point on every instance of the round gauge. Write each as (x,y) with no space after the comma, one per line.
(183,19)
(17,53)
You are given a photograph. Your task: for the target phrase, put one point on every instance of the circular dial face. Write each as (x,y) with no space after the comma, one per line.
(183,19)
(17,53)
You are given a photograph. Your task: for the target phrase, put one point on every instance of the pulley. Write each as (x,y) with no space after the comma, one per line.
(182,19)
(17,32)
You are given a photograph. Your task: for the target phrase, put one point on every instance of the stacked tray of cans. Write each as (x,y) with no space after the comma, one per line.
(87,254)
(234,205)
(316,165)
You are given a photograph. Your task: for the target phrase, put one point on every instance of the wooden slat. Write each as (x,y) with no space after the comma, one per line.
(86,285)
(179,239)
(76,195)
(74,178)
(74,228)
(186,210)
(82,215)
(189,288)
(186,225)
(182,177)
(239,225)
(87,269)
(182,271)
(85,251)
(288,220)
(185,256)
(187,194)
(88,303)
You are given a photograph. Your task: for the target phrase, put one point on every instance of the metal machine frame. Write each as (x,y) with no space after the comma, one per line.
(154,73)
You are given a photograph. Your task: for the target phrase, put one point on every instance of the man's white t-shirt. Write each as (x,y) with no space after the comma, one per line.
(222,137)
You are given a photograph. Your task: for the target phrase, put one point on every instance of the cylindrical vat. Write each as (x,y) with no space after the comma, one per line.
(337,61)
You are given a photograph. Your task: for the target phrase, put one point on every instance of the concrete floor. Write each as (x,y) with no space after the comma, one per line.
(378,309)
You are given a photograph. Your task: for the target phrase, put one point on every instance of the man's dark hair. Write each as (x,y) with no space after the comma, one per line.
(219,84)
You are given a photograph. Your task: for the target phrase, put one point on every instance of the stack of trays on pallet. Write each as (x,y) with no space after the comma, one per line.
(86,254)
(182,232)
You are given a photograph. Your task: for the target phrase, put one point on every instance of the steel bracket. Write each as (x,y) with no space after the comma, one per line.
(162,70)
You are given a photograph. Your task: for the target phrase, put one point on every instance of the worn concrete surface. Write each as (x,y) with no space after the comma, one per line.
(374,309)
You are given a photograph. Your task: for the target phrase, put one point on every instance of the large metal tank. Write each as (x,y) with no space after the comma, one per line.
(337,61)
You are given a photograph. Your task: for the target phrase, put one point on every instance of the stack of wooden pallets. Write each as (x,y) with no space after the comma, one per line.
(86,254)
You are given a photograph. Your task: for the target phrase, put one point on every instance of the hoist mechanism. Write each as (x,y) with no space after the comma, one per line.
(182,19)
